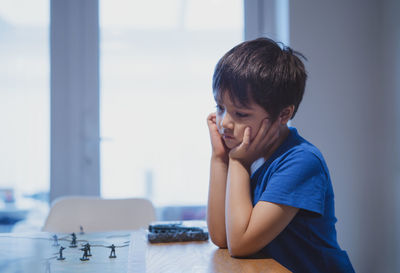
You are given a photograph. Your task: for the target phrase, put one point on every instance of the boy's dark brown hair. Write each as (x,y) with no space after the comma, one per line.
(262,71)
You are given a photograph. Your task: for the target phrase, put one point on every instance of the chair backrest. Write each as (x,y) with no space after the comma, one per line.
(69,214)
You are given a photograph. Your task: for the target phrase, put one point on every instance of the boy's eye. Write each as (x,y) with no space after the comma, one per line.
(220,108)
(241,115)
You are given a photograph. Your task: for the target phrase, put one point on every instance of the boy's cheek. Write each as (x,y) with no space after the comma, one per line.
(240,136)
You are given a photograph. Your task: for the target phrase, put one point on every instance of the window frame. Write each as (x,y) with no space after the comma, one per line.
(75,99)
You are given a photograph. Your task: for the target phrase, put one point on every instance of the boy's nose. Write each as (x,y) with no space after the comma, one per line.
(226,122)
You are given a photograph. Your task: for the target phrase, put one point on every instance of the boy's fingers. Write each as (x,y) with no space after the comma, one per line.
(262,132)
(274,128)
(211,119)
(273,132)
(267,135)
(247,136)
(246,140)
(211,116)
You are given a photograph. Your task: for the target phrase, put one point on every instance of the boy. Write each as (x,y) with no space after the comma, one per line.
(270,189)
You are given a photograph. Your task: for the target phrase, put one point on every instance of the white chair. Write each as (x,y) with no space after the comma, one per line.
(95,214)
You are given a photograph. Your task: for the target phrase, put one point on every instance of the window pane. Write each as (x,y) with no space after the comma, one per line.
(24,101)
(157,60)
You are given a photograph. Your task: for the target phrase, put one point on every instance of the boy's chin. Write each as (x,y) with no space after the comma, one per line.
(230,144)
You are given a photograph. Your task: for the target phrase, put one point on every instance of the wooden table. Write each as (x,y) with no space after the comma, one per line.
(35,252)
(203,257)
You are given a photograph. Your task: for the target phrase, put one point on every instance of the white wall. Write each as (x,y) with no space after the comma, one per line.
(350,113)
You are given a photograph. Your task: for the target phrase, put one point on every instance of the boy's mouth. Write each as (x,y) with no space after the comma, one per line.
(225,136)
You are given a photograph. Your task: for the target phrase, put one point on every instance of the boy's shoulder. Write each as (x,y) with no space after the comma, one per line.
(298,143)
(298,149)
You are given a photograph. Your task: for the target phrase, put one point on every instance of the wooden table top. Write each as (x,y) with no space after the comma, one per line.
(203,257)
(36,252)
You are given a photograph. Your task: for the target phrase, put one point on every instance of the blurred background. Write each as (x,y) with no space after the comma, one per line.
(110,98)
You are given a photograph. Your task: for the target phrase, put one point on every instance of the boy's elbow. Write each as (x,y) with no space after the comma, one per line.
(236,252)
(220,242)
(240,251)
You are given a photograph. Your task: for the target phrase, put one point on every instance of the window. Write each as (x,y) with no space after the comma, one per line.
(157,60)
(24,101)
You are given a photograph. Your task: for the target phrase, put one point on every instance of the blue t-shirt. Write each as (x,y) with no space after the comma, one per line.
(296,175)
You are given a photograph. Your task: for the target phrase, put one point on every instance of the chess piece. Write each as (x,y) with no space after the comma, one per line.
(55,243)
(87,245)
(85,254)
(60,252)
(73,242)
(112,253)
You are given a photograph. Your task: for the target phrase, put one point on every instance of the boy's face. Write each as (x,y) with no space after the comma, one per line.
(233,119)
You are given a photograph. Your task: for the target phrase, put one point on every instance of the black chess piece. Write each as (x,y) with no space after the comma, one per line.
(61,256)
(85,254)
(73,242)
(112,253)
(87,245)
(55,243)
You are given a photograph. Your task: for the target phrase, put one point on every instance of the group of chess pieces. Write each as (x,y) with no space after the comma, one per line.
(85,248)
(164,232)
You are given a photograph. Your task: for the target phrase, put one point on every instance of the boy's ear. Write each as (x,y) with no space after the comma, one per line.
(286,114)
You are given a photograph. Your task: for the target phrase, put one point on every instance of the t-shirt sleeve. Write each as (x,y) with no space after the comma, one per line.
(299,180)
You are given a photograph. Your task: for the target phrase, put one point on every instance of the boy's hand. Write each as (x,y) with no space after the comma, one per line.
(250,150)
(219,150)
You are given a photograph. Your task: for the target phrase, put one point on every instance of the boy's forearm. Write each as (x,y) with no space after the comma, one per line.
(216,201)
(238,203)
